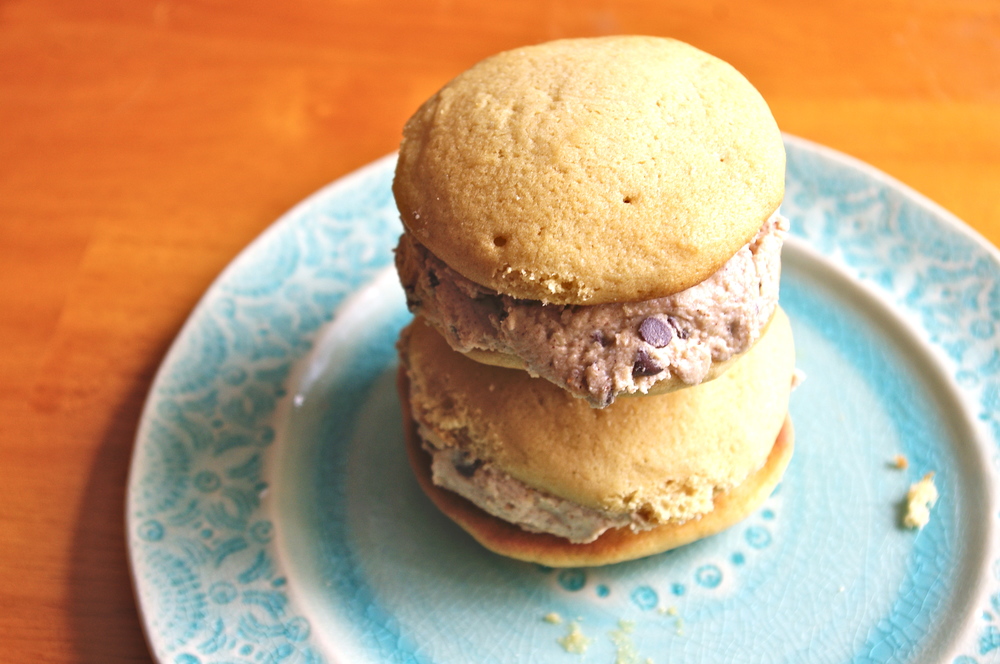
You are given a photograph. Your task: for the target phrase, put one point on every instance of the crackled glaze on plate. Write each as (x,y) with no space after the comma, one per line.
(272,516)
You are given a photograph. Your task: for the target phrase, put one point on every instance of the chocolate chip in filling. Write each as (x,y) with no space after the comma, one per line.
(644,364)
(655,332)
(598,336)
(465,463)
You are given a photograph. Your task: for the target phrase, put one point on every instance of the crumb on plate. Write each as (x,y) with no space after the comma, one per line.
(919,501)
(574,642)
(625,651)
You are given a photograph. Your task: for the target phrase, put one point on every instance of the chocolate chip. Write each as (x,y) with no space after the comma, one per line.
(645,365)
(679,330)
(600,337)
(493,307)
(467,468)
(655,332)
(433,279)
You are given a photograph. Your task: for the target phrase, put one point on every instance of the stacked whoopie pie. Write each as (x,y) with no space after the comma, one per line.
(599,369)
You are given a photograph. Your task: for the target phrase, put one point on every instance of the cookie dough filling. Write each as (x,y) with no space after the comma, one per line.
(598,352)
(496,492)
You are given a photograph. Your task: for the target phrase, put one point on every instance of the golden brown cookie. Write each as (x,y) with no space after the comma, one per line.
(587,171)
(666,453)
(656,460)
(613,546)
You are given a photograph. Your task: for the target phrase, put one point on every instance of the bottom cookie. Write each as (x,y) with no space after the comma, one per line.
(616,545)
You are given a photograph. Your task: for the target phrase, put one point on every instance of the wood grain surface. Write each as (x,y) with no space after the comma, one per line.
(143,144)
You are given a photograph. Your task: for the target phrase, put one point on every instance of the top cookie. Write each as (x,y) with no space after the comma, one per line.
(586,171)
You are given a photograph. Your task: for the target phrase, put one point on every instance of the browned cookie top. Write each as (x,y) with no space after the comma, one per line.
(587,171)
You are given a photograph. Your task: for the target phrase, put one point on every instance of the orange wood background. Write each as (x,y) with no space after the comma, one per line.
(143,144)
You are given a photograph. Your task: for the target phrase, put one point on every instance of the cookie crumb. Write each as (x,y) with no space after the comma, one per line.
(552,618)
(919,501)
(900,462)
(625,652)
(574,642)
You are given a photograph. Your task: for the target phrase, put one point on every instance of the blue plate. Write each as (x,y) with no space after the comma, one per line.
(272,516)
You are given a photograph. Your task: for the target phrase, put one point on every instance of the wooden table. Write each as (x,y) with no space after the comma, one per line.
(143,144)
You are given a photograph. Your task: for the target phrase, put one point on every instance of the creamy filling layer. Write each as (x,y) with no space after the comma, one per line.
(505,497)
(598,352)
